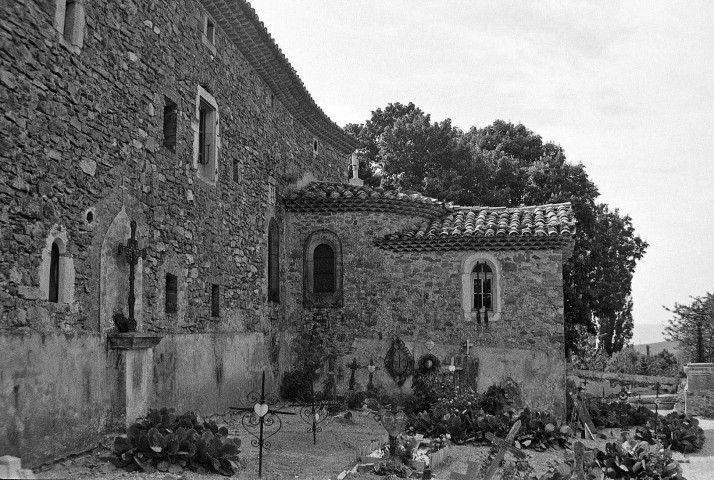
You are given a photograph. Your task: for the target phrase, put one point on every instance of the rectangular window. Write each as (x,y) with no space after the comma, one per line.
(171,293)
(482,294)
(206,137)
(170,118)
(70,16)
(210,30)
(215,301)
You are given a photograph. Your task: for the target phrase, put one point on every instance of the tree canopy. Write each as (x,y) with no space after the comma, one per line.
(684,326)
(504,164)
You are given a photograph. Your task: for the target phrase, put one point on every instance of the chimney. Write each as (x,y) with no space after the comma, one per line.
(355,180)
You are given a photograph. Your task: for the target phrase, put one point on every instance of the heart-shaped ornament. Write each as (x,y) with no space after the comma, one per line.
(260,409)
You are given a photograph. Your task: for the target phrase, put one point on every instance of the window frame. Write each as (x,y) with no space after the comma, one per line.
(207,137)
(312,298)
(468,276)
(70,14)
(273,261)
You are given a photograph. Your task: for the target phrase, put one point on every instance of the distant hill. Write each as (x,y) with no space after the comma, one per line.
(657,347)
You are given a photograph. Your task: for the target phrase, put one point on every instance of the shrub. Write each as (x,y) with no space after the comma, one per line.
(166,442)
(296,385)
(676,431)
(618,414)
(494,400)
(355,400)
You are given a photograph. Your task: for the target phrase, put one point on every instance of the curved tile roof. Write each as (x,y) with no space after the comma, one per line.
(543,226)
(240,22)
(335,197)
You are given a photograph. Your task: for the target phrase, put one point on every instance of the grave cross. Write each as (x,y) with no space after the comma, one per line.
(578,463)
(260,414)
(314,412)
(503,447)
(353,366)
(132,252)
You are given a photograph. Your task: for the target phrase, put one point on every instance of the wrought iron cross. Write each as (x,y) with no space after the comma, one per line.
(353,366)
(314,412)
(132,252)
(262,416)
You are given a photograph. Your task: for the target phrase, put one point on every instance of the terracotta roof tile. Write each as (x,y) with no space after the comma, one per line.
(332,196)
(445,227)
(542,226)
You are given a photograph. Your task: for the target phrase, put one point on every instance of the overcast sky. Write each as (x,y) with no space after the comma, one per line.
(626,88)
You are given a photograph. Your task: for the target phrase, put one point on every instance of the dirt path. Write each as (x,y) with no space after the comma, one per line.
(293,456)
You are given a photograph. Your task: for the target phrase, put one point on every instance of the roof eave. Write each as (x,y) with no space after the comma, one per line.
(240,22)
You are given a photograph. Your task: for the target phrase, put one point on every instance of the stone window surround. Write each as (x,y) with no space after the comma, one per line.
(329,299)
(208,172)
(208,32)
(467,285)
(76,40)
(65,294)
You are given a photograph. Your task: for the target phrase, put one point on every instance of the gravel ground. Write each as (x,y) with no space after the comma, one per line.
(293,455)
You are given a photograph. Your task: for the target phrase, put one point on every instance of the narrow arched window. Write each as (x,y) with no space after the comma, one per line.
(273,262)
(324,269)
(482,277)
(54,273)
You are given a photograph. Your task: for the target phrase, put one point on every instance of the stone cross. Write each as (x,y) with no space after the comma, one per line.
(468,346)
(578,463)
(132,252)
(503,447)
(471,473)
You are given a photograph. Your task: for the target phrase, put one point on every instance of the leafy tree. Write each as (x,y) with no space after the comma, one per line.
(684,326)
(508,165)
(626,360)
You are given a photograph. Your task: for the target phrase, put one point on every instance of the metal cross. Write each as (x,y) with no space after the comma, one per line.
(467,345)
(261,415)
(503,447)
(314,412)
(353,366)
(133,253)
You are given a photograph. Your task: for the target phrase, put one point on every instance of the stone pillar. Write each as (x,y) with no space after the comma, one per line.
(131,365)
(699,392)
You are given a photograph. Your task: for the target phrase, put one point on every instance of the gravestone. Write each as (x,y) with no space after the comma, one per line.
(699,391)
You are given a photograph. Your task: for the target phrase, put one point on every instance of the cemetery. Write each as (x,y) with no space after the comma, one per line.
(197,282)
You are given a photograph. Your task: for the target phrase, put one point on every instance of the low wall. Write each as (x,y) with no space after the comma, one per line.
(539,376)
(608,383)
(210,372)
(53,395)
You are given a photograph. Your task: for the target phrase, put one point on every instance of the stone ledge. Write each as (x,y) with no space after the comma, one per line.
(133,341)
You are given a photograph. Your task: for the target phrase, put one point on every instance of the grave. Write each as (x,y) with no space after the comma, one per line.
(699,392)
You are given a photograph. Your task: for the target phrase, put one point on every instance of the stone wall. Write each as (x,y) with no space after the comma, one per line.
(53,394)
(418,297)
(77,125)
(81,156)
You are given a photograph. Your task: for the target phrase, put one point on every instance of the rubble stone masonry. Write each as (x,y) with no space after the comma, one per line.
(76,123)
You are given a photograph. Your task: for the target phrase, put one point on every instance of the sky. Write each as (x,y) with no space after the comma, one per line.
(626,88)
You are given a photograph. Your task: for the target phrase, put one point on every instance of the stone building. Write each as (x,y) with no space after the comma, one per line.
(185,118)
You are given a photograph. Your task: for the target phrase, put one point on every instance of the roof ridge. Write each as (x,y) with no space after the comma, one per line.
(504,208)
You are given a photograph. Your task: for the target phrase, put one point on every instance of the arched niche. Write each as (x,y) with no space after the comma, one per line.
(114,274)
(65,268)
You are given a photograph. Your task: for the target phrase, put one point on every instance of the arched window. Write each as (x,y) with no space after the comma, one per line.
(324,269)
(481,287)
(273,262)
(322,273)
(482,280)
(54,273)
